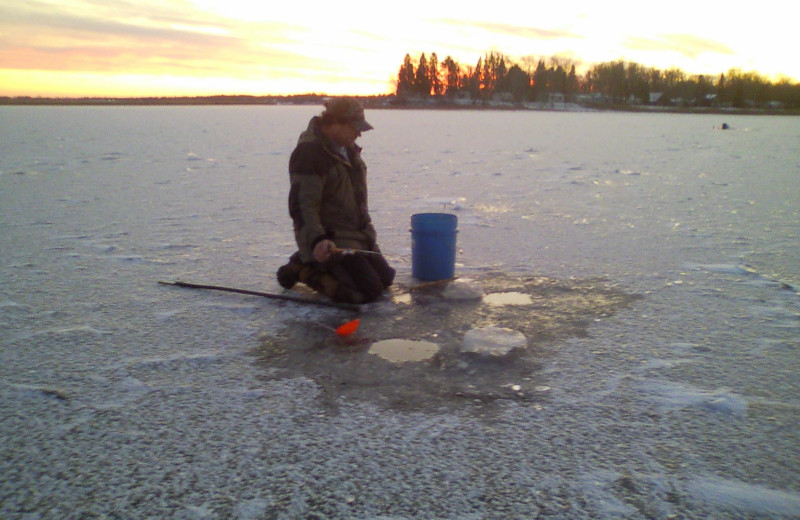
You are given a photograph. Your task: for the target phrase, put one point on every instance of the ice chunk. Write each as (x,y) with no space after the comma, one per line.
(493,341)
(725,402)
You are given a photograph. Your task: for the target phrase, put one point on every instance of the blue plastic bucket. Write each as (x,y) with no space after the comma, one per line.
(433,246)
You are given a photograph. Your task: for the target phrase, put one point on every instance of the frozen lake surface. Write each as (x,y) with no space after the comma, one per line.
(652,262)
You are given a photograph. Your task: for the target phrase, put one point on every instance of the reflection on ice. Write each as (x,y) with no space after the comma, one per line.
(402,298)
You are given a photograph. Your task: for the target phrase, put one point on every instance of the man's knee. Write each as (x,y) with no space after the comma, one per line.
(318,279)
(383,270)
(372,291)
(348,294)
(362,276)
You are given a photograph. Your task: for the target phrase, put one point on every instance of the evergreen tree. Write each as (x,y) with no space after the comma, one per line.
(486,80)
(722,89)
(540,82)
(559,80)
(475,80)
(433,73)
(501,81)
(405,78)
(702,90)
(572,84)
(470,82)
(519,83)
(451,76)
(422,81)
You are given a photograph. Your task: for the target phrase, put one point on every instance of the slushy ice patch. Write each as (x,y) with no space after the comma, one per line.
(399,350)
(452,370)
(508,298)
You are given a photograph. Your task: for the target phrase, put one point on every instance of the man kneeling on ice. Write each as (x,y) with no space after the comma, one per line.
(338,254)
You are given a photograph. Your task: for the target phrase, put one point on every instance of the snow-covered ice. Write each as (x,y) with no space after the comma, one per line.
(655,257)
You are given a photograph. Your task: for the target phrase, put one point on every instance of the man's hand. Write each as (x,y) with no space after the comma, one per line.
(323,250)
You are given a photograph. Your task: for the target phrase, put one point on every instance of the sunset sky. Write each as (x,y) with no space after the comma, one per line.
(117,48)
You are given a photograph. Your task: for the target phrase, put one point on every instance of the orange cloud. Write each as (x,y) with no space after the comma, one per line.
(164,41)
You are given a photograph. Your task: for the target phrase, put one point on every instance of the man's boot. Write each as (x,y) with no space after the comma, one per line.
(289,274)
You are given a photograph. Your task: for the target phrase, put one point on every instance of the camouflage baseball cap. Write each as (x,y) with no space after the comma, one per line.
(349,110)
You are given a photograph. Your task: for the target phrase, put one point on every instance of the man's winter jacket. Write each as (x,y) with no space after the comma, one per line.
(328,195)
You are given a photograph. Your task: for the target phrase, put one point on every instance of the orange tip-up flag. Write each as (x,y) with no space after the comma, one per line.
(348,328)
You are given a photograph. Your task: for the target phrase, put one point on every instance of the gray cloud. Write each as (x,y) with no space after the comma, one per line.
(685,44)
(110,19)
(514,30)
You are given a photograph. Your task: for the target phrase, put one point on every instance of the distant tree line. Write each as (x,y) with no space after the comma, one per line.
(496,77)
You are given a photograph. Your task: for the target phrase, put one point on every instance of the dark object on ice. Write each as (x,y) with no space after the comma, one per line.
(273,296)
(724,126)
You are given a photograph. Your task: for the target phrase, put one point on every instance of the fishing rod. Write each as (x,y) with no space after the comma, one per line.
(284,297)
(351,251)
